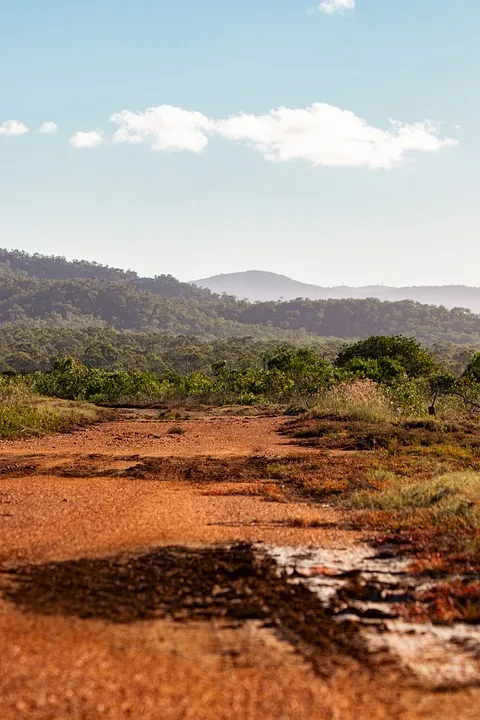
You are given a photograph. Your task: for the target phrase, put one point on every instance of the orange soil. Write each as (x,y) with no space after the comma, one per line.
(210,436)
(62,668)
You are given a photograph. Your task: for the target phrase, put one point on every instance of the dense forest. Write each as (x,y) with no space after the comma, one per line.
(51,307)
(35,345)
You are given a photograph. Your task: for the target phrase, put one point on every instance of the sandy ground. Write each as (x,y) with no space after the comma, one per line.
(211,436)
(60,667)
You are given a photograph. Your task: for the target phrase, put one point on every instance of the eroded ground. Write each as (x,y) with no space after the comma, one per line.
(140,581)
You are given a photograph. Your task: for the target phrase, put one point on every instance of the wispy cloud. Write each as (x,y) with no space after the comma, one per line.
(13,127)
(330,7)
(165,128)
(91,139)
(48,128)
(326,135)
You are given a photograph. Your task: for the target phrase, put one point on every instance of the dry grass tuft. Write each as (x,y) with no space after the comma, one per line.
(304,522)
(451,501)
(238,490)
(267,491)
(358,400)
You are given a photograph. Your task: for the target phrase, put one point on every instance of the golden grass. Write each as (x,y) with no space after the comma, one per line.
(449,498)
(357,400)
(444,450)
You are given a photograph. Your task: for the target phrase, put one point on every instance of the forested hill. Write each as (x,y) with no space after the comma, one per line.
(51,289)
(44,267)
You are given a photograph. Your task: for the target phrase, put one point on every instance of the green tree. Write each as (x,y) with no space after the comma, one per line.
(308,371)
(405,352)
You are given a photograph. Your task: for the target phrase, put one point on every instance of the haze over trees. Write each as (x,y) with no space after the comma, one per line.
(104,316)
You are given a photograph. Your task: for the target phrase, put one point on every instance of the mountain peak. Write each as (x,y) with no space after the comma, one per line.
(260,285)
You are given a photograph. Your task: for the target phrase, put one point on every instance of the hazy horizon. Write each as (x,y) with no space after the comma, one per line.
(331,146)
(150,271)
(303,282)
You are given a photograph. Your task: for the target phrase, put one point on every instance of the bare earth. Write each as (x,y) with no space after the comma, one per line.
(58,665)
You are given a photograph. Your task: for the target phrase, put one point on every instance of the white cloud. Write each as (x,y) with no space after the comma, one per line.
(48,128)
(90,139)
(165,127)
(13,127)
(330,7)
(326,135)
(320,135)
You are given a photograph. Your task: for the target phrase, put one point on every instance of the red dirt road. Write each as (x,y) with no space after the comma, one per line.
(62,667)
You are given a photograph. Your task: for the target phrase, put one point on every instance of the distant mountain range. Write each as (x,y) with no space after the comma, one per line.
(256,285)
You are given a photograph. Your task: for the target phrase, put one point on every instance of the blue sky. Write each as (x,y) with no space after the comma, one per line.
(269,142)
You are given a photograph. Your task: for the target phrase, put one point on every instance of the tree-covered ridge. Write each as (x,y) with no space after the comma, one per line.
(34,287)
(362,318)
(54,267)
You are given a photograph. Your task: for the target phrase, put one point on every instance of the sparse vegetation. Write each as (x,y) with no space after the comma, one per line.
(23,413)
(447,602)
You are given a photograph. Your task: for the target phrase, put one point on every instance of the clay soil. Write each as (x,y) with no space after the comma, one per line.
(130,587)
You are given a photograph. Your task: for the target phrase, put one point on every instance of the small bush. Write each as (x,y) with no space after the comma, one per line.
(175,430)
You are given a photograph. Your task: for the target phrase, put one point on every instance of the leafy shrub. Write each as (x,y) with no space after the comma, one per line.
(409,397)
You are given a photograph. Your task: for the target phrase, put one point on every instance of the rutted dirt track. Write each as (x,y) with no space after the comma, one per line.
(132,590)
